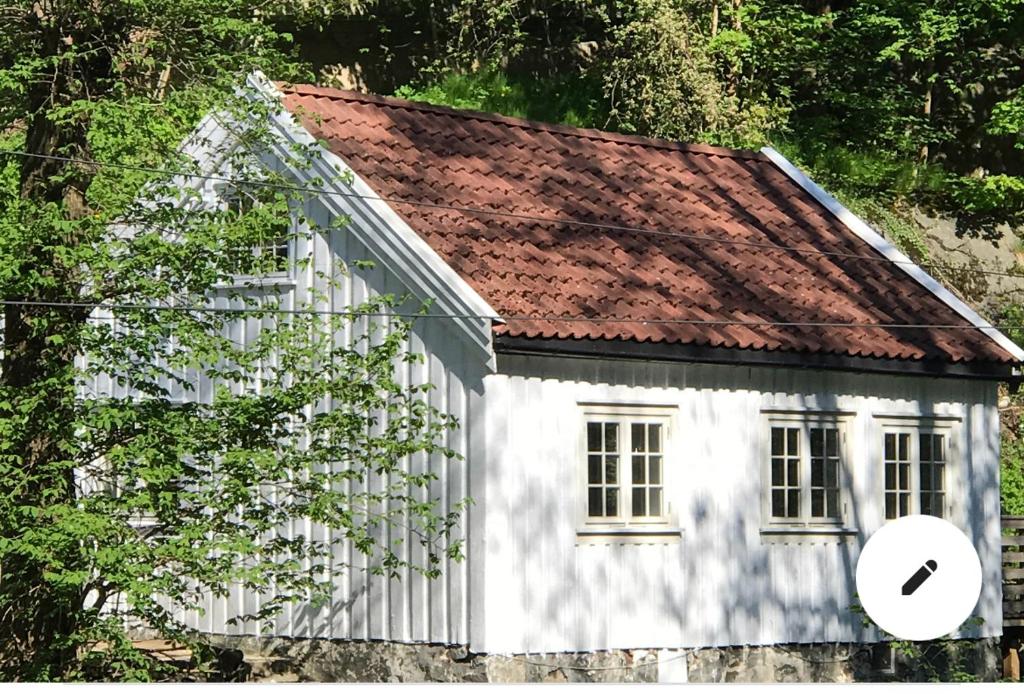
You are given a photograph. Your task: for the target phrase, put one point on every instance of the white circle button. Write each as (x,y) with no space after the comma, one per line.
(918,578)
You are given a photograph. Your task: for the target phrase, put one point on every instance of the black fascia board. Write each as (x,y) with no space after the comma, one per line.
(660,351)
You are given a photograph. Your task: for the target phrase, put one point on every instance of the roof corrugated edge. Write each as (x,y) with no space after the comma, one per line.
(586,133)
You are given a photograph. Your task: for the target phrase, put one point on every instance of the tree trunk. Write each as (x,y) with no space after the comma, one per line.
(734,69)
(926,110)
(714,18)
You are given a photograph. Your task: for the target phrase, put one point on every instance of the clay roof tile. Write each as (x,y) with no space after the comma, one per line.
(463,159)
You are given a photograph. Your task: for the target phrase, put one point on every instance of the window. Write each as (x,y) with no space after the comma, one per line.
(805,463)
(274,253)
(625,467)
(914,462)
(603,469)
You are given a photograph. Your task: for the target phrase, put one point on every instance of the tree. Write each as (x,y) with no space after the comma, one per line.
(120,496)
(662,79)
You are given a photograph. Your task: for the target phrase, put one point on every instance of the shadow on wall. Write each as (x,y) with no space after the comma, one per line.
(724,583)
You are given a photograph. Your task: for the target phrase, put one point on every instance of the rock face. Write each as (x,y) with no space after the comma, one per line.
(320,660)
(962,261)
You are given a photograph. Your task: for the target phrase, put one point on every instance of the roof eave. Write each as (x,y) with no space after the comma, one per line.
(691,353)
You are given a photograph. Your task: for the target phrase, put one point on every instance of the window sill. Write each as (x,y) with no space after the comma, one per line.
(806,533)
(661,534)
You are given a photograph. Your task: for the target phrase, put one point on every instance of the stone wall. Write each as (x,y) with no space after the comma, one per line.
(950,661)
(320,660)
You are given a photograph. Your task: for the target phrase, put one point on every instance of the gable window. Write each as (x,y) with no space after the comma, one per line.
(273,254)
(624,476)
(914,462)
(804,473)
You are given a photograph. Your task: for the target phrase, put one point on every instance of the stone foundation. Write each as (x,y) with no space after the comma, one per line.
(963,660)
(321,660)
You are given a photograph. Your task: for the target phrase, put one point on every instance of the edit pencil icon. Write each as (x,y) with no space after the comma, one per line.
(920,576)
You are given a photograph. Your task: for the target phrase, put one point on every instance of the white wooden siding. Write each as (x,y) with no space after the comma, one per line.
(363,606)
(723,582)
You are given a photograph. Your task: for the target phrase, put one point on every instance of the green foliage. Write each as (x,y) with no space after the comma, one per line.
(1008,119)
(1011,475)
(662,80)
(129,494)
(936,660)
(987,202)
(574,101)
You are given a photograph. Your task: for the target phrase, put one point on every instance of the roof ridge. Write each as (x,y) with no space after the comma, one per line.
(587,133)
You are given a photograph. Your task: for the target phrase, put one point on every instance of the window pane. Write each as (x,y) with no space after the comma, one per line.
(890,446)
(926,478)
(638,437)
(939,477)
(832,443)
(890,476)
(654,438)
(594,469)
(904,504)
(904,446)
(817,503)
(778,443)
(611,437)
(926,504)
(611,502)
(777,468)
(593,436)
(925,441)
(611,468)
(778,503)
(792,441)
(890,505)
(817,443)
(655,503)
(594,506)
(939,505)
(639,501)
(817,472)
(793,503)
(832,474)
(832,504)
(792,469)
(939,448)
(638,469)
(904,469)
(654,465)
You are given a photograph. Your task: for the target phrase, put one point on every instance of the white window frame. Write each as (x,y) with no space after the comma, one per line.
(625,416)
(947,427)
(225,195)
(805,421)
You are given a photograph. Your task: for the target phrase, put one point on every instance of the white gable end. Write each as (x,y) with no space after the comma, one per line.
(382,230)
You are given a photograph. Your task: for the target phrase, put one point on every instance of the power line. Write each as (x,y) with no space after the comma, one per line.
(503,213)
(551,318)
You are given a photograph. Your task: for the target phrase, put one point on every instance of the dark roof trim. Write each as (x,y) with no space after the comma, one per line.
(661,351)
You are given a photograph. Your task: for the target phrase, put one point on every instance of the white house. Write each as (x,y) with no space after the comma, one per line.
(690,385)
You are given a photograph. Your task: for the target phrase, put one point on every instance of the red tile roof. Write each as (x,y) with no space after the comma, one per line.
(529,268)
